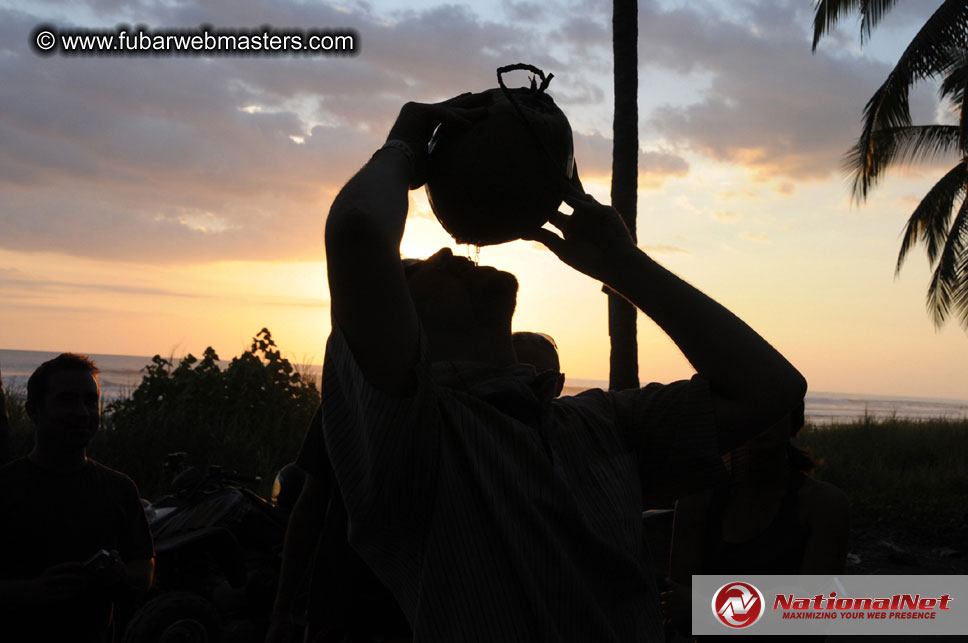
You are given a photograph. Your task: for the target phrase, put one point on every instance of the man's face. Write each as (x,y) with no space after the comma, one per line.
(452,293)
(70,413)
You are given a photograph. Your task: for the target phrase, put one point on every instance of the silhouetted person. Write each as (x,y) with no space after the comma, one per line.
(491,510)
(538,350)
(771,518)
(345,600)
(59,509)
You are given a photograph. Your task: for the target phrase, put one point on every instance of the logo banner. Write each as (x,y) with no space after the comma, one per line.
(814,605)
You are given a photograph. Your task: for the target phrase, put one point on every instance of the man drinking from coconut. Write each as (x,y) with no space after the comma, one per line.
(493,511)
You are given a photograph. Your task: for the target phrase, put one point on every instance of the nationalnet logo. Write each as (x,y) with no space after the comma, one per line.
(852,604)
(895,607)
(737,604)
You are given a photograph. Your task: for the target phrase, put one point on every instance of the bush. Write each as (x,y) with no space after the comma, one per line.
(251,416)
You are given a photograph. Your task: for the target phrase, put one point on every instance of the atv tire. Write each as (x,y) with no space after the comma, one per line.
(174,617)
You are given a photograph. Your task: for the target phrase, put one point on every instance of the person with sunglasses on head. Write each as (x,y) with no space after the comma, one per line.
(492,510)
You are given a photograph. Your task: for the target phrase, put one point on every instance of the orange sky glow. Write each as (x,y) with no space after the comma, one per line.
(162,205)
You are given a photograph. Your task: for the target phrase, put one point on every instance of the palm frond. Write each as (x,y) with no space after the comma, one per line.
(959,299)
(926,56)
(871,12)
(929,221)
(946,289)
(955,75)
(929,52)
(894,145)
(827,13)
(887,109)
(905,144)
(953,88)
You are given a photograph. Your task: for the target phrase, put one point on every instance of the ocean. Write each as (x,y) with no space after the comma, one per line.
(122,373)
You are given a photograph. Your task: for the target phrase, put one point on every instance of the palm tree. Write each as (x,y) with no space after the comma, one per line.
(623,361)
(888,137)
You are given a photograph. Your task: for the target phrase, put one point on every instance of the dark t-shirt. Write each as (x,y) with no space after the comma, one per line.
(49,518)
(777,550)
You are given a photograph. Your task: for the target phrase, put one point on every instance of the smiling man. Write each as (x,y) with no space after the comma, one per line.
(492,510)
(74,532)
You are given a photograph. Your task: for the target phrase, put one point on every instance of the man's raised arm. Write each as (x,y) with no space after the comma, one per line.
(752,384)
(369,298)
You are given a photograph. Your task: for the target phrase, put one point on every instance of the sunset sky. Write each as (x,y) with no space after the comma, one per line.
(165,204)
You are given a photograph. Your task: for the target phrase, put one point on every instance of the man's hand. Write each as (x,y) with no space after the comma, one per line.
(753,386)
(594,237)
(370,301)
(416,123)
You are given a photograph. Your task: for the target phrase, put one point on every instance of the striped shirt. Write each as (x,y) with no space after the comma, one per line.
(496,513)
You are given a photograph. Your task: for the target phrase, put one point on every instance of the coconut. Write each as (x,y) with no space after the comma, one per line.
(504,176)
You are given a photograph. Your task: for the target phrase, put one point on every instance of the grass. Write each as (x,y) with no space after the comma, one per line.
(911,475)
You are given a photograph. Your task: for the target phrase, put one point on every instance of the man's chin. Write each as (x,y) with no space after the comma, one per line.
(508,282)
(78,439)
(498,296)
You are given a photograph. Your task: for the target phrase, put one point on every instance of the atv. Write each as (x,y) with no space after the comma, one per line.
(218,549)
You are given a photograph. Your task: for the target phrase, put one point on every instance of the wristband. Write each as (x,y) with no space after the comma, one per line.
(397,144)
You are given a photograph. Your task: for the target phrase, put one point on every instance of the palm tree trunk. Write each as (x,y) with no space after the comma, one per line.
(623,361)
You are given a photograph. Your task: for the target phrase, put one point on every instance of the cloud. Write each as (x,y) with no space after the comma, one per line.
(155,160)
(43,286)
(530,11)
(770,104)
(190,160)
(758,237)
(726,216)
(593,153)
(25,288)
(664,249)
(732,194)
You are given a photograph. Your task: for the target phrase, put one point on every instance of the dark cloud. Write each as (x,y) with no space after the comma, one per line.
(770,105)
(585,33)
(525,11)
(155,159)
